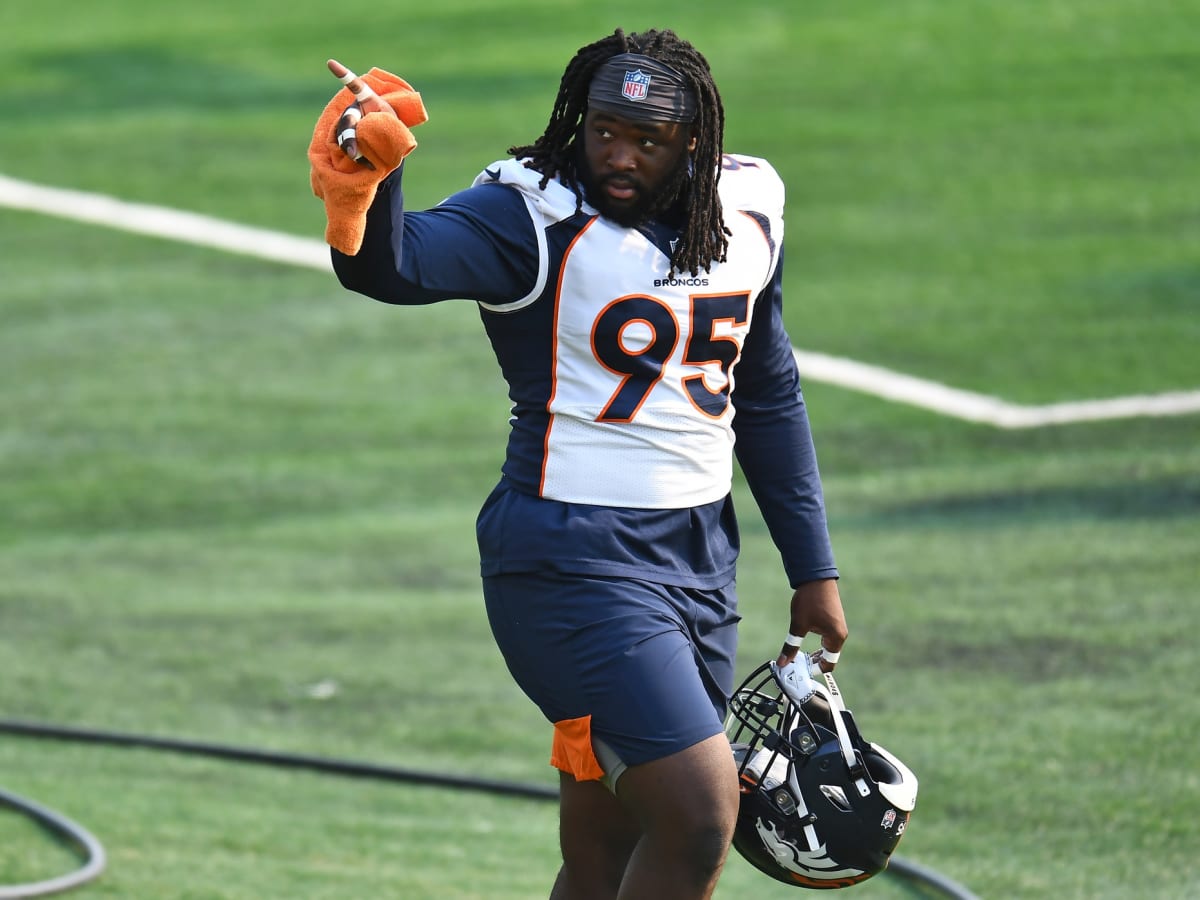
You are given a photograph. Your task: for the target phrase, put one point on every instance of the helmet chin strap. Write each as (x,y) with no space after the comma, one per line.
(810,832)
(800,687)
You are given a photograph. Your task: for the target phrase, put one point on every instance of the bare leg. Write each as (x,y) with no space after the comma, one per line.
(664,837)
(597,835)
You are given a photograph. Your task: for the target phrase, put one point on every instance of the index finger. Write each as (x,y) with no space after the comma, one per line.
(791,647)
(360,89)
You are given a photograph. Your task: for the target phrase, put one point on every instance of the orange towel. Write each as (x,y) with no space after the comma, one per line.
(347,187)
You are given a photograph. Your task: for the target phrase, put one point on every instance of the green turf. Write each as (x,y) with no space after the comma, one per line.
(237,504)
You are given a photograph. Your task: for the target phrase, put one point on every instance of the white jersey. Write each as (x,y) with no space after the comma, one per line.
(642,364)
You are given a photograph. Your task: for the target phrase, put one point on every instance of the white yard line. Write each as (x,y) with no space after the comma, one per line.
(159,221)
(205,231)
(960,404)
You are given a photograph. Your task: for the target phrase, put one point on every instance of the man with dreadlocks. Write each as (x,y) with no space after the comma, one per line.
(628,274)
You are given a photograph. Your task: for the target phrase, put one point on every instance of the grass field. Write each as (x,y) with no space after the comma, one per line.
(237,504)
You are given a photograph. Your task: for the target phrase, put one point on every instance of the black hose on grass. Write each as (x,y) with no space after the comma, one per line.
(94,860)
(923,875)
(66,830)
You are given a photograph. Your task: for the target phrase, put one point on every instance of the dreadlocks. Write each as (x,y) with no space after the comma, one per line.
(704,237)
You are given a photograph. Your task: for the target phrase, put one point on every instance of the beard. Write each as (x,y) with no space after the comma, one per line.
(648,202)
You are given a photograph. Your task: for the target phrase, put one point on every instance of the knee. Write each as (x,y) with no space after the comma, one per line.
(701,833)
(709,849)
(700,848)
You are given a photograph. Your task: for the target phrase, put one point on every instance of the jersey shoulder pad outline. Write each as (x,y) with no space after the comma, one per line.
(555,202)
(751,183)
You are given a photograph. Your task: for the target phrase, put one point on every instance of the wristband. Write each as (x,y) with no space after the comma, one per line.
(793,641)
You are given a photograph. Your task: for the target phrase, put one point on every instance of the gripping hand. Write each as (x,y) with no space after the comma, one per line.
(345,177)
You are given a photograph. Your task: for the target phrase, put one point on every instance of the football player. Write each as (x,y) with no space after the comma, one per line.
(629,276)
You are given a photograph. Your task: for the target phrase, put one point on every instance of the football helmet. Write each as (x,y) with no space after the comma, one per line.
(820,806)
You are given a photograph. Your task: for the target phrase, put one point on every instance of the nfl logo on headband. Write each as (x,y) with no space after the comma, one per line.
(641,88)
(636,85)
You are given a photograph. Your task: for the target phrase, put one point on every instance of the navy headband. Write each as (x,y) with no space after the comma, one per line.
(638,87)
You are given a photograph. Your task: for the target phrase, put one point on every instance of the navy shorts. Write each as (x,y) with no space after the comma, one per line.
(646,668)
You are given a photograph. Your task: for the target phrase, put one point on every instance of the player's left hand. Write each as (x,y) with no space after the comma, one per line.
(817,608)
